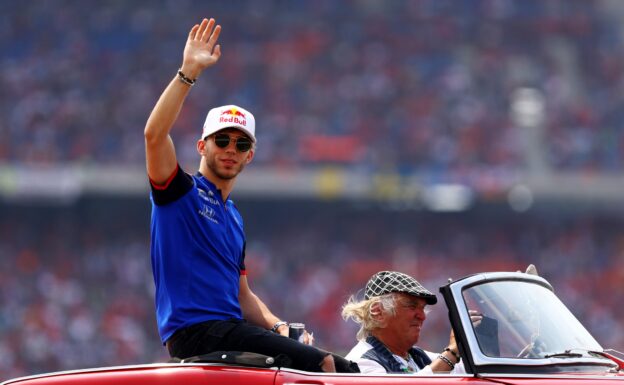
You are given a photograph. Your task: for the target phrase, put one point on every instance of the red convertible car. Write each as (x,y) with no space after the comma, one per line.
(527,336)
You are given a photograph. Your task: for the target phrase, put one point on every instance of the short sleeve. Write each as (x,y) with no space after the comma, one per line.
(176,186)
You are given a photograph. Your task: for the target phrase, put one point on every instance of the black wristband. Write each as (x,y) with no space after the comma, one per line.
(457,357)
(447,361)
(184,79)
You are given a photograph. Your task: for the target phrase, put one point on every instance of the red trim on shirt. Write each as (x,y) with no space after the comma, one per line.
(167,182)
(243,272)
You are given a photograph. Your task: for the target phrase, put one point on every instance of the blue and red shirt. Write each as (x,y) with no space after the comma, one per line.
(197,251)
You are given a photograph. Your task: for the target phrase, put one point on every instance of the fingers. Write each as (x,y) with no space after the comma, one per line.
(475,317)
(205,31)
(308,338)
(193,32)
(203,26)
(212,41)
(208,33)
(198,29)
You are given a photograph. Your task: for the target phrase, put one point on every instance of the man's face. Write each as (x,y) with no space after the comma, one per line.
(408,319)
(226,162)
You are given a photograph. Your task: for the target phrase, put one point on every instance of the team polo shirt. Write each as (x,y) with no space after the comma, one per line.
(197,252)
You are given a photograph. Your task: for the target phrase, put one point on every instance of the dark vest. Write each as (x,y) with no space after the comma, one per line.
(384,357)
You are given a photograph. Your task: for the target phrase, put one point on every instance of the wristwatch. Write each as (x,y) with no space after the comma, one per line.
(277,326)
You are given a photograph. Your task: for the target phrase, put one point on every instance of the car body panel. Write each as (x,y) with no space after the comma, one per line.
(184,374)
(286,376)
(207,374)
(515,308)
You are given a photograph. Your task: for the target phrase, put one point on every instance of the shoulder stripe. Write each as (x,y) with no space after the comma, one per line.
(167,182)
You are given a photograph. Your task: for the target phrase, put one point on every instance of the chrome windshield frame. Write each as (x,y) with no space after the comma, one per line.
(465,333)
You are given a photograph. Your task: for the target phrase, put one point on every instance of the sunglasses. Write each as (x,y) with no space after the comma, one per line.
(243,143)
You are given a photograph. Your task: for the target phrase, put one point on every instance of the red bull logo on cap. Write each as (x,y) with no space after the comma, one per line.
(229,116)
(233,115)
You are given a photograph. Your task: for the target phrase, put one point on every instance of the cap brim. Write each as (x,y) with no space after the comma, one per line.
(430,299)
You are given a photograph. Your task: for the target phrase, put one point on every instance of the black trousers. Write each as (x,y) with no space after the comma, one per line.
(238,335)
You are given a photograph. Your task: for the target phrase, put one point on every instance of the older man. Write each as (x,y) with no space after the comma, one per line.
(391,317)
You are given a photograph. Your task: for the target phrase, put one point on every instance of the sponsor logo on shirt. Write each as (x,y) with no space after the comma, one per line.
(208,213)
(209,197)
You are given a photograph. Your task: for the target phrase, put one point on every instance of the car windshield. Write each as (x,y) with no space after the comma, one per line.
(525,320)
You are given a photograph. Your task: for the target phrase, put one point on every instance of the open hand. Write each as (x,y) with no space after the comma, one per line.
(201,50)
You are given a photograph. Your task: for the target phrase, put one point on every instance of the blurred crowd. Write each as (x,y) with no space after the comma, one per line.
(421,86)
(76,289)
(408,86)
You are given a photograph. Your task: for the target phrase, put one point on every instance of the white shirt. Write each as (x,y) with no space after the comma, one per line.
(372,367)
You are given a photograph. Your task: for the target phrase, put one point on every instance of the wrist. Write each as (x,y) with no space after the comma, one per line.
(455,355)
(190,71)
(184,78)
(278,325)
(447,361)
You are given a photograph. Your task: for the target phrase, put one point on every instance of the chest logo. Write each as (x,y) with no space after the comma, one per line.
(209,196)
(208,213)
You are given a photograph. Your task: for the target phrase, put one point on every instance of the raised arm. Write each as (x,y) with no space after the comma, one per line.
(201,51)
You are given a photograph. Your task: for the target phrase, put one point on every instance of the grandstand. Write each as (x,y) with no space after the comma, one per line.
(434,137)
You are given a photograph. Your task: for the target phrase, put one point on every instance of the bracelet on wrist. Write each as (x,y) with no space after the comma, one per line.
(456,355)
(277,326)
(185,79)
(447,361)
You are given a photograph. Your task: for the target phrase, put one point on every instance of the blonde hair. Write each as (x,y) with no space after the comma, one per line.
(363,313)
